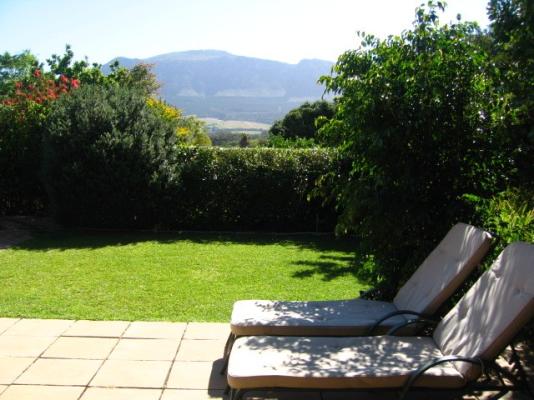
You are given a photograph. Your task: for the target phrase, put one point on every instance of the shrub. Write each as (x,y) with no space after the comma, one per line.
(414,117)
(108,158)
(252,189)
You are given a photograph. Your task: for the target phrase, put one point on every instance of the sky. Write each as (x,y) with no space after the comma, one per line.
(282,30)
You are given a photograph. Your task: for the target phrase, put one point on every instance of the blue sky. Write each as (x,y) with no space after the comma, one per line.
(284,30)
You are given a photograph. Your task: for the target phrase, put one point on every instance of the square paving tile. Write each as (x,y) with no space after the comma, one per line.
(20,346)
(155,330)
(97,328)
(38,327)
(121,394)
(60,372)
(76,347)
(180,394)
(145,349)
(200,350)
(6,323)
(31,392)
(128,373)
(11,368)
(207,330)
(196,375)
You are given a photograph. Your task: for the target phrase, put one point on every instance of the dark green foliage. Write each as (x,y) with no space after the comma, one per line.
(21,191)
(251,189)
(413,115)
(512,31)
(300,123)
(108,158)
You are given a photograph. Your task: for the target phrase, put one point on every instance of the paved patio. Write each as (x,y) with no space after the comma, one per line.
(117,360)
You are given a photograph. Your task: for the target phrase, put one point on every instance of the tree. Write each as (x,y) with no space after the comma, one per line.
(512,30)
(15,68)
(301,122)
(414,116)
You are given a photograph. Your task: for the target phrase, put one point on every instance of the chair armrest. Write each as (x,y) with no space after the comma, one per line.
(372,329)
(415,374)
(425,321)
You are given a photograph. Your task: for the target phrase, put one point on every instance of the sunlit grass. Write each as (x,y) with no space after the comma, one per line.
(176,277)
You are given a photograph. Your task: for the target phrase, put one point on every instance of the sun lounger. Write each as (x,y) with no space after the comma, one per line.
(436,279)
(467,339)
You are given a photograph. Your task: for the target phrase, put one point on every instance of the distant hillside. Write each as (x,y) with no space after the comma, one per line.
(221,85)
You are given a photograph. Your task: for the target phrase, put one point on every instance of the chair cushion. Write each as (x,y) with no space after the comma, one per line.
(444,270)
(336,363)
(493,311)
(310,318)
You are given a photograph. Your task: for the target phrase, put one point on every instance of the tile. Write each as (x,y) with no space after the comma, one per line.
(196,375)
(192,394)
(60,372)
(23,346)
(121,394)
(76,347)
(97,328)
(207,330)
(128,373)
(201,350)
(145,349)
(31,392)
(11,368)
(155,330)
(6,323)
(38,327)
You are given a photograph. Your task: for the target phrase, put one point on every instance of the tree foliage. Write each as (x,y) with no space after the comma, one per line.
(415,116)
(108,158)
(301,123)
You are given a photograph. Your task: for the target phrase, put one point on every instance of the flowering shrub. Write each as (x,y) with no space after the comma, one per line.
(22,116)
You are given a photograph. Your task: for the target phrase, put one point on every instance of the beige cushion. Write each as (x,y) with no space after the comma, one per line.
(310,318)
(336,362)
(444,270)
(493,311)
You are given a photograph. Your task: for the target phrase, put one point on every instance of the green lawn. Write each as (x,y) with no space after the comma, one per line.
(176,277)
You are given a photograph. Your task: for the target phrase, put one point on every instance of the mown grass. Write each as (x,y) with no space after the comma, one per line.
(175,277)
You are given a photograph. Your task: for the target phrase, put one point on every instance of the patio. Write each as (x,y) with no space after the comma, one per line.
(118,360)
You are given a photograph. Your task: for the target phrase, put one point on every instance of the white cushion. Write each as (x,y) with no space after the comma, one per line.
(336,362)
(444,270)
(310,318)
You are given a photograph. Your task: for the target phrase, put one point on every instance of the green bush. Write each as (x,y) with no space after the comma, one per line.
(414,116)
(252,189)
(108,158)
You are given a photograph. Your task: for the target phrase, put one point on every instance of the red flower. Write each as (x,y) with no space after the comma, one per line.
(63,79)
(37,73)
(75,83)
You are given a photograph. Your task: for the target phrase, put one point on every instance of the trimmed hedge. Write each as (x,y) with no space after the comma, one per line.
(252,189)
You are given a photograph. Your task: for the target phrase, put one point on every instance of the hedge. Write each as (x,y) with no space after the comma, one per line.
(252,189)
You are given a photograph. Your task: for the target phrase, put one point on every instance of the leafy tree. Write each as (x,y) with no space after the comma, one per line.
(512,30)
(14,68)
(109,158)
(300,123)
(414,116)
(244,142)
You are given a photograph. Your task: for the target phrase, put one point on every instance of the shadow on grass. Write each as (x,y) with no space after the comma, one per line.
(71,240)
(329,267)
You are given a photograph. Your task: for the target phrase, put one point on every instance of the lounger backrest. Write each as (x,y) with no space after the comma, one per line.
(444,270)
(493,311)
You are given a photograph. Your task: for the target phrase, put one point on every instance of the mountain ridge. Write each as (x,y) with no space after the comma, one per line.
(218,84)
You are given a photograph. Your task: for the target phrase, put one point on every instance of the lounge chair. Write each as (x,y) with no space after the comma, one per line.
(467,339)
(436,279)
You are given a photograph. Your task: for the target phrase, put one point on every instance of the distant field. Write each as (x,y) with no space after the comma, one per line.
(214,123)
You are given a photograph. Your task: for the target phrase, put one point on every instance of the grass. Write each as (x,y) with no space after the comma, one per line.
(175,277)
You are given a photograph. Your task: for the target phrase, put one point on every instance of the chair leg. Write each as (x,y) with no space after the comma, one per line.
(227,349)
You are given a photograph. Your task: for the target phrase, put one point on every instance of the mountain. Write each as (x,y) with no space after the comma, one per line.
(217,84)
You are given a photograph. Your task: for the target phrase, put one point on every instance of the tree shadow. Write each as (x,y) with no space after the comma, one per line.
(330,267)
(92,240)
